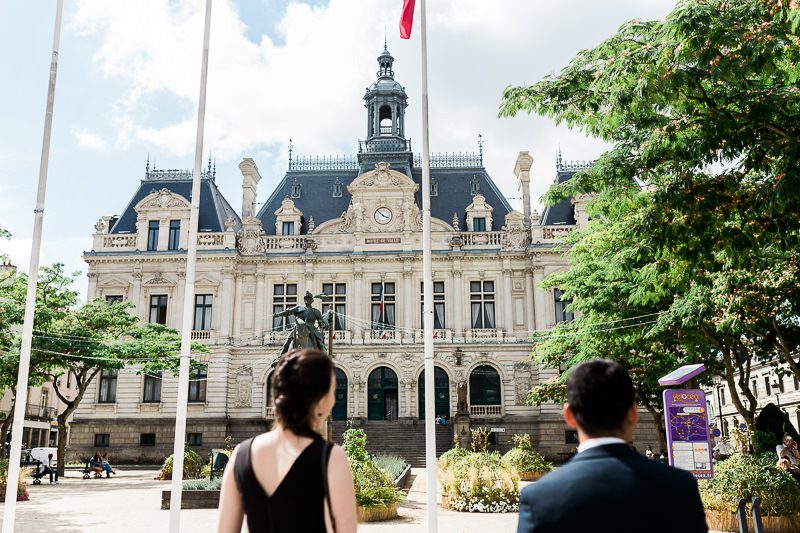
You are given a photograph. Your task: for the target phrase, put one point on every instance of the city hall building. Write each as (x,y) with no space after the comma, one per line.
(349,227)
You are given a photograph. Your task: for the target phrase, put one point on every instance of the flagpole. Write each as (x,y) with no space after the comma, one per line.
(188,299)
(30,297)
(427,289)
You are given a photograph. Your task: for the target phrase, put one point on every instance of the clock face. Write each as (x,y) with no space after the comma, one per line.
(383,215)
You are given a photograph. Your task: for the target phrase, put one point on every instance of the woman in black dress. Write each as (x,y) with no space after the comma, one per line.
(290,479)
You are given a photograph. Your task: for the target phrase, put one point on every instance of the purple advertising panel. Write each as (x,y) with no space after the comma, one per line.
(688,439)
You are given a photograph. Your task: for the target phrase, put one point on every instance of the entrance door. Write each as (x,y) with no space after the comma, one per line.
(382,399)
(339,411)
(441,389)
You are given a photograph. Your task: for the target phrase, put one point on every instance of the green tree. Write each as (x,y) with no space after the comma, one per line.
(83,341)
(702,111)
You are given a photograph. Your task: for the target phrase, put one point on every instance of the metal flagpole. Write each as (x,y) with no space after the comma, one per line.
(427,290)
(30,297)
(188,299)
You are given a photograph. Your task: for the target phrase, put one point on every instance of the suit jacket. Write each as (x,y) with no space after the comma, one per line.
(612,488)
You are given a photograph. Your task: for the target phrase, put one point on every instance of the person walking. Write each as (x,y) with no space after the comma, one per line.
(607,486)
(290,478)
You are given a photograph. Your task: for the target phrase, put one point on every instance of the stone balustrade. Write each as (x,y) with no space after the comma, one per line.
(486,410)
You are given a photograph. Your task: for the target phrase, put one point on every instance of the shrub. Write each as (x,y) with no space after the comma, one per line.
(763,442)
(480,439)
(192,465)
(22,487)
(374,488)
(391,464)
(524,458)
(202,484)
(744,476)
(478,482)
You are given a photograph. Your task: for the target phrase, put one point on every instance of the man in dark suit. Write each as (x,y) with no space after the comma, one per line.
(607,486)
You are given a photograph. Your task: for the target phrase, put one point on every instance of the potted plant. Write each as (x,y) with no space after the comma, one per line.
(376,495)
(744,476)
(529,463)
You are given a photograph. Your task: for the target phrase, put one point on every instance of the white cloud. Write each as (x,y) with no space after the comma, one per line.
(90,141)
(310,87)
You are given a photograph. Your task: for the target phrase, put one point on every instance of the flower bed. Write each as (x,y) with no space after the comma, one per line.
(478,481)
(192,465)
(529,463)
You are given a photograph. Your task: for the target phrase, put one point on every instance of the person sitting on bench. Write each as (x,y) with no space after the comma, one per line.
(97,464)
(48,469)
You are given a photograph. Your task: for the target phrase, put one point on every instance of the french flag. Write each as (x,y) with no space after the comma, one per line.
(407,19)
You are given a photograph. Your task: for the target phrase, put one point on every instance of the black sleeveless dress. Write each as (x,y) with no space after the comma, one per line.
(297,504)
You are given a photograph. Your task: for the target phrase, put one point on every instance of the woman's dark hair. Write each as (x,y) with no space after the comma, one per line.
(302,378)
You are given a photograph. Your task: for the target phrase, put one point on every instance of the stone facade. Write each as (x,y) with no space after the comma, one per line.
(350,228)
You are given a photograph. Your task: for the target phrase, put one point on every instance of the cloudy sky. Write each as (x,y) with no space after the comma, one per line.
(128,82)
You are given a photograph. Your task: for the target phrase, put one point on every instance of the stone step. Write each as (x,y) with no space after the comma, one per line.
(406,439)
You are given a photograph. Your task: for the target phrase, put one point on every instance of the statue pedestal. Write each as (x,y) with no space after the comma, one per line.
(461,428)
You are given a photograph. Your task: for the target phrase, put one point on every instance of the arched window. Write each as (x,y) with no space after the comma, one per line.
(339,411)
(385,118)
(382,397)
(441,391)
(269,398)
(484,386)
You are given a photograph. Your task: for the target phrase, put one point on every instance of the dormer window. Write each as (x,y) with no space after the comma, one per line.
(479,224)
(296,189)
(474,186)
(434,188)
(287,218)
(288,228)
(479,214)
(337,189)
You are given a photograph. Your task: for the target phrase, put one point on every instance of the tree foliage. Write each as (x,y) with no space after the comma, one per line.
(695,210)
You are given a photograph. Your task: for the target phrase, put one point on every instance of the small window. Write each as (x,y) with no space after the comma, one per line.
(767,386)
(202,311)
(561,304)
(102,440)
(152,235)
(434,188)
(474,186)
(479,224)
(108,386)
(194,439)
(337,189)
(288,228)
(152,388)
(296,190)
(198,379)
(114,298)
(174,234)
(158,309)
(147,439)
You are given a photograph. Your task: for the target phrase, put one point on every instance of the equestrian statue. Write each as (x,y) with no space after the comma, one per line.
(305,333)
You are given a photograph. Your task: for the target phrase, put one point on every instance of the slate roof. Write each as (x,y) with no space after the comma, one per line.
(562,213)
(214,208)
(317,200)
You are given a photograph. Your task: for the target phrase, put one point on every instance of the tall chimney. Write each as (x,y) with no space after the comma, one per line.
(522,169)
(250,179)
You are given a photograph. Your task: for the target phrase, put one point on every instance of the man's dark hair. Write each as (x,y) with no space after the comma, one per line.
(599,393)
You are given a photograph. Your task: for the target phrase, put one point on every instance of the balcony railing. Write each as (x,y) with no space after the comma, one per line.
(37,411)
(269,411)
(492,239)
(342,336)
(439,335)
(275,337)
(119,241)
(210,240)
(486,410)
(201,334)
(388,336)
(478,335)
(552,233)
(284,242)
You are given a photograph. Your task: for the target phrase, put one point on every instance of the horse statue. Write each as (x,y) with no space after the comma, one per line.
(305,333)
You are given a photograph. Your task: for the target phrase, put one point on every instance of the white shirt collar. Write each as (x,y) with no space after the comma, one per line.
(599,441)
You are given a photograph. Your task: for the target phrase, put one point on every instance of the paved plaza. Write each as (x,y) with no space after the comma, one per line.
(130,502)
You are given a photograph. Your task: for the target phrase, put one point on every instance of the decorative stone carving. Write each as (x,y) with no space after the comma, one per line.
(461,390)
(287,212)
(311,225)
(158,279)
(515,236)
(244,387)
(164,198)
(230,224)
(249,238)
(101,226)
(455,222)
(522,382)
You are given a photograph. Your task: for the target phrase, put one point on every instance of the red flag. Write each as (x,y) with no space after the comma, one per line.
(406,19)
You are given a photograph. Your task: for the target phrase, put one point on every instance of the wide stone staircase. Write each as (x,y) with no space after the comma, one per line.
(404,439)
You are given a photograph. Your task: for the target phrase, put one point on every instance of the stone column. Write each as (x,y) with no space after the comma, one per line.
(530,297)
(457,302)
(177,302)
(259,311)
(407,302)
(522,169)
(226,303)
(539,296)
(163,234)
(237,304)
(508,318)
(358,282)
(137,297)
(91,292)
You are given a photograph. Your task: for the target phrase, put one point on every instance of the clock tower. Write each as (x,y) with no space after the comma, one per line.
(386,103)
